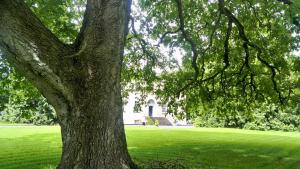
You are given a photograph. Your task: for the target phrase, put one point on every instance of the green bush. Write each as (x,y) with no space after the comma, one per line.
(208,121)
(156,123)
(41,114)
(267,117)
(149,121)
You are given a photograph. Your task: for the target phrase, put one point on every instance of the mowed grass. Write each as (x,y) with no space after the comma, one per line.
(40,147)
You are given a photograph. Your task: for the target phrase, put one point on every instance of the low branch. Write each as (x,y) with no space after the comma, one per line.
(226,45)
(161,39)
(225,57)
(203,53)
(247,43)
(288,2)
(142,42)
(187,37)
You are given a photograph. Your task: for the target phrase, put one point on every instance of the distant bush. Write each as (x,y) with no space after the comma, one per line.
(156,123)
(265,118)
(149,121)
(42,114)
(23,103)
(209,120)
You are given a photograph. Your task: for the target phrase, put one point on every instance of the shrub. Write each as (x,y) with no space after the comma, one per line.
(156,123)
(40,114)
(149,121)
(208,121)
(267,117)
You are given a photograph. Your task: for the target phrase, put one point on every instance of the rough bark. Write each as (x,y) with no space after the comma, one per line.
(93,137)
(81,81)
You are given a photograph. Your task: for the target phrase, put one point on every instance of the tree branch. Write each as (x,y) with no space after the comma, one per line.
(217,22)
(247,43)
(288,2)
(142,42)
(29,45)
(161,39)
(187,37)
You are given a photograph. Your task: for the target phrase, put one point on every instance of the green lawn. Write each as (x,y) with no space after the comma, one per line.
(39,147)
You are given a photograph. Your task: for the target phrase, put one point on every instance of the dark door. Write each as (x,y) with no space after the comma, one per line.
(150,111)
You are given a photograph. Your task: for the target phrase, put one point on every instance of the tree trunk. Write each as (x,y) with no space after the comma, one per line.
(93,132)
(81,81)
(94,144)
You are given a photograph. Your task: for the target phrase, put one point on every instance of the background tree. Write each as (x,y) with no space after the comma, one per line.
(231,51)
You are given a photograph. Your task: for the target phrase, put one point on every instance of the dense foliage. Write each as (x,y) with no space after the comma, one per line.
(221,55)
(21,102)
(266,117)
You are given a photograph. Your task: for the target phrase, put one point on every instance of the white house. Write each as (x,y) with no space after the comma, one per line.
(153,109)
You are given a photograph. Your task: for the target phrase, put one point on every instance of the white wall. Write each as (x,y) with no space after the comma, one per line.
(131,117)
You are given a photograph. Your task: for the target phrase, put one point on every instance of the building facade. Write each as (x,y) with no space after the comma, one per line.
(152,109)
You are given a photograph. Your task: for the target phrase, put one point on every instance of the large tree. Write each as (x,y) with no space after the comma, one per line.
(82,79)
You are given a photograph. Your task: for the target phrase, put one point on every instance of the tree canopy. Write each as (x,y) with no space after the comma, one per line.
(234,54)
(192,53)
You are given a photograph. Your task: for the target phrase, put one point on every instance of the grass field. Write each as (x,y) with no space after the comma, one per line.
(39,147)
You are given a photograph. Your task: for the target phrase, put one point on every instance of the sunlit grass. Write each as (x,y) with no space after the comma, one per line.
(40,147)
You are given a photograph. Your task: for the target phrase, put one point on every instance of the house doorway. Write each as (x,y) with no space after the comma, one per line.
(151,104)
(150,111)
